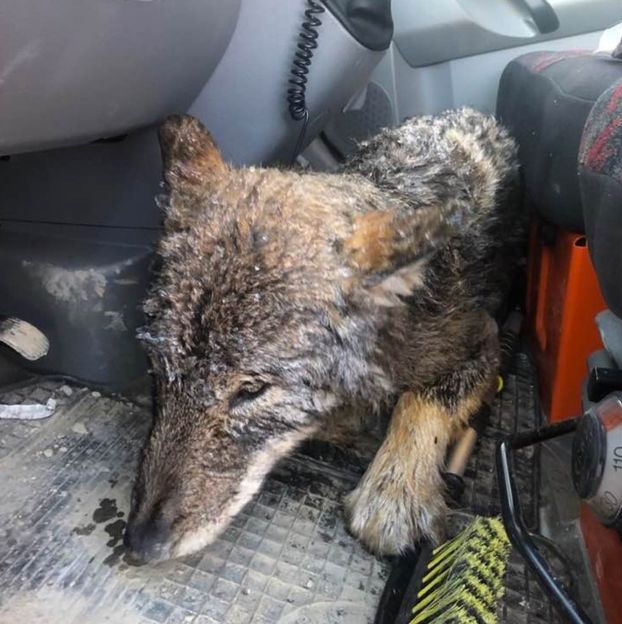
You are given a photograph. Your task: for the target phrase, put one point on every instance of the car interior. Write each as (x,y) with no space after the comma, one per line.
(84,87)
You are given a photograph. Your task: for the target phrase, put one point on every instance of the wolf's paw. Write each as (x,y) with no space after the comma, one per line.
(390,520)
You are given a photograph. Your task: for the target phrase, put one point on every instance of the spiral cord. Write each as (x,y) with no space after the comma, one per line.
(307,44)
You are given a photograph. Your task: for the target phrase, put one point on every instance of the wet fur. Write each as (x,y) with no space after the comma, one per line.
(285,297)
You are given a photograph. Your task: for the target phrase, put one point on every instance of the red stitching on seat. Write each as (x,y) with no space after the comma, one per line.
(600,151)
(616,96)
(556,57)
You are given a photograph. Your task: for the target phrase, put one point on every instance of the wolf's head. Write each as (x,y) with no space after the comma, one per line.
(263,319)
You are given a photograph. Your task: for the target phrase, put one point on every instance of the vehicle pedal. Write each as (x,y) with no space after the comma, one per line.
(23,337)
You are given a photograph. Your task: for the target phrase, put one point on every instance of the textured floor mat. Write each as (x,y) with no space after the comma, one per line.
(287,557)
(514,410)
(66,482)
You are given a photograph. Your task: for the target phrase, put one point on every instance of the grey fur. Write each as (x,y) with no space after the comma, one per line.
(266,318)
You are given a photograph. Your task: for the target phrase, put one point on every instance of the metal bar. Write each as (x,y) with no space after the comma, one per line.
(513,518)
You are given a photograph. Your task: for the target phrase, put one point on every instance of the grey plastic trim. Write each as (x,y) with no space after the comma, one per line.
(431,32)
(76,70)
(108,184)
(78,226)
(244,103)
(470,81)
(82,286)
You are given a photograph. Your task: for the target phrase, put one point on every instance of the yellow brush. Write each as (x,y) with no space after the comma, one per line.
(463,578)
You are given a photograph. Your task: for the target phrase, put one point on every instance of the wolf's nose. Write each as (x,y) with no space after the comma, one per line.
(148,541)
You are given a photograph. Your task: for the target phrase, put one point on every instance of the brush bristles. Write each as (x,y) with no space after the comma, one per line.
(464,578)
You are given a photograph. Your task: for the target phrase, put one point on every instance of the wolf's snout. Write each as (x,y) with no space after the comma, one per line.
(148,540)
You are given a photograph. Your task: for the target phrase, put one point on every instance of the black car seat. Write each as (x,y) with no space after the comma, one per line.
(545,99)
(565,110)
(600,177)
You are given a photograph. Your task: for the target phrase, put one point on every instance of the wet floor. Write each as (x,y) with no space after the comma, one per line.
(286,558)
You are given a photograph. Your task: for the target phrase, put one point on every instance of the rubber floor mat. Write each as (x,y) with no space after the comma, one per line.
(286,558)
(65,495)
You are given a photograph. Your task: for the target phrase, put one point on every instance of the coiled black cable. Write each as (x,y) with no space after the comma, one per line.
(307,43)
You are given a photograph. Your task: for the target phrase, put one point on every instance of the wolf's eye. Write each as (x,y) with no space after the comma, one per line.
(248,391)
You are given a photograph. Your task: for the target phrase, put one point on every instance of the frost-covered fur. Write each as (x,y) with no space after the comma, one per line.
(285,297)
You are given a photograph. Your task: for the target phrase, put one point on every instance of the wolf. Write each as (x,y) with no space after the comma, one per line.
(285,298)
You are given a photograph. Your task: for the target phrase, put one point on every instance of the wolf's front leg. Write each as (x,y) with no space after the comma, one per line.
(400,497)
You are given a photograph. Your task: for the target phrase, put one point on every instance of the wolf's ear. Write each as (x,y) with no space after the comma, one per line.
(189,153)
(390,250)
